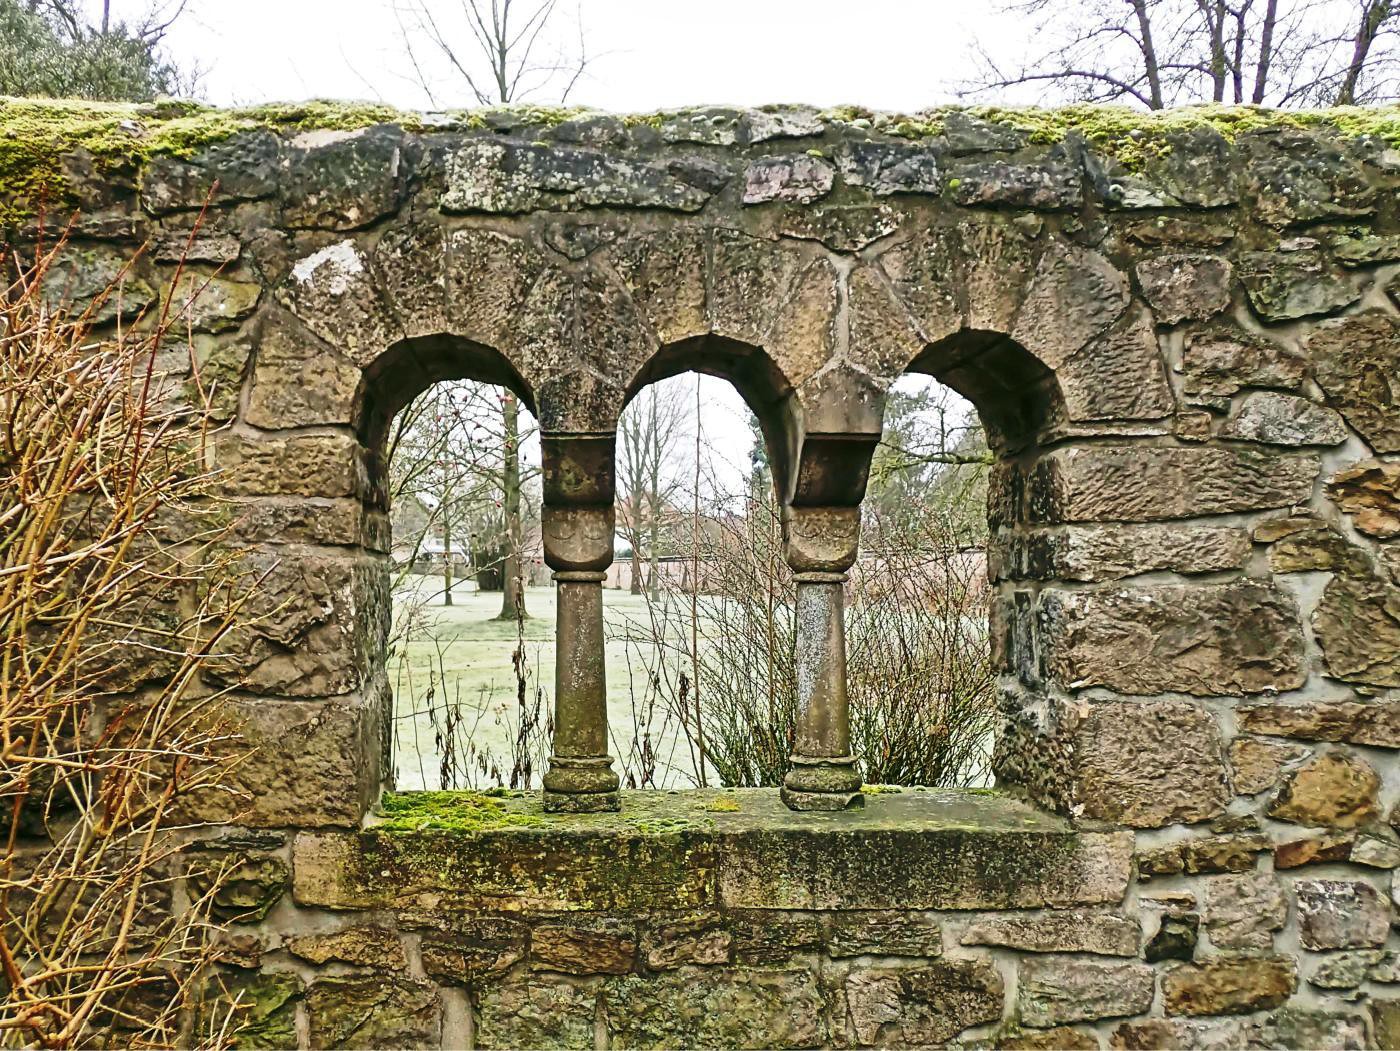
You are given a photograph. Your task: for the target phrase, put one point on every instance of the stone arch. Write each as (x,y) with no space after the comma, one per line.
(752,372)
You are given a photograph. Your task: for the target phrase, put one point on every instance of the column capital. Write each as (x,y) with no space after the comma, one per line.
(578,539)
(821,539)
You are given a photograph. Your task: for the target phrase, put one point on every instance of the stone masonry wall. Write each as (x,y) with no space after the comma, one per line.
(1182,333)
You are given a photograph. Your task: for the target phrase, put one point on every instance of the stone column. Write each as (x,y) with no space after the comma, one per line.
(578,546)
(821,547)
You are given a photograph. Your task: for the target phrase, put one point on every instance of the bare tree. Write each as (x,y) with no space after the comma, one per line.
(1159,53)
(649,436)
(501,51)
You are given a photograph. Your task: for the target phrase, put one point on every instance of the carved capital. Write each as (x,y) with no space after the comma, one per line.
(821,539)
(578,539)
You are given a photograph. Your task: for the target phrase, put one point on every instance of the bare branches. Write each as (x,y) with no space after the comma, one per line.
(1157,53)
(501,51)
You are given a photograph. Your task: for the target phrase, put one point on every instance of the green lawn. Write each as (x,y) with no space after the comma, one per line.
(462,655)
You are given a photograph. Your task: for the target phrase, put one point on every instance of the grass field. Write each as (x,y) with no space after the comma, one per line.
(462,655)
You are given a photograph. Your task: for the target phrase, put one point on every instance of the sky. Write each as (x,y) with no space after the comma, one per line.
(643,55)
(646,54)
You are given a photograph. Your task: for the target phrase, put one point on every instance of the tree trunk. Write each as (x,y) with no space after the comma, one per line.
(653,546)
(636,588)
(513,571)
(446,555)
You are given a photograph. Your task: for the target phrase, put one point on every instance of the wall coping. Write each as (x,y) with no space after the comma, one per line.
(934,850)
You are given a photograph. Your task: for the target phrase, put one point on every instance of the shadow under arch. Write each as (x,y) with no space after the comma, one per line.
(752,372)
(1015,393)
(409,367)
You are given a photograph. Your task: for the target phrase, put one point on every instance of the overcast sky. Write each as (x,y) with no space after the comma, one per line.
(886,54)
(645,55)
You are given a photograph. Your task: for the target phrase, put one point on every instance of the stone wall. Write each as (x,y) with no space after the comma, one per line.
(1181,332)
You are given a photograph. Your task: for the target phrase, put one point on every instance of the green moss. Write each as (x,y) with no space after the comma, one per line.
(880,790)
(723,805)
(457,811)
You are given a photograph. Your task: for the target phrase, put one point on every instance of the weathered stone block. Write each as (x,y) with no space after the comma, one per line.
(305,766)
(1145,483)
(1369,722)
(1358,624)
(701,939)
(1053,991)
(597,947)
(344,180)
(1369,491)
(539,1010)
(1229,985)
(1217,362)
(1105,934)
(713,1007)
(1244,912)
(474,948)
(920,1006)
(1298,177)
(1283,419)
(374,1012)
(508,177)
(364,946)
(299,382)
(1337,914)
(1148,764)
(886,168)
(798,177)
(334,293)
(1049,186)
(324,465)
(1335,789)
(1357,363)
(1181,286)
(1256,765)
(1291,285)
(1208,640)
(1110,552)
(883,934)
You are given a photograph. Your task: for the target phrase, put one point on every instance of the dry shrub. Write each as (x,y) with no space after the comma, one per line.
(113,593)
(923,705)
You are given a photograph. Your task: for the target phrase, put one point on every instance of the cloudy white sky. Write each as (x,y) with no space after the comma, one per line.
(645,54)
(886,54)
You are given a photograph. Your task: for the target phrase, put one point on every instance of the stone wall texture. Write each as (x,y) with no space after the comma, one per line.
(1185,343)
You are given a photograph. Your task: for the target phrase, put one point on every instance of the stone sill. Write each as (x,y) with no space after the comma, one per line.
(914,849)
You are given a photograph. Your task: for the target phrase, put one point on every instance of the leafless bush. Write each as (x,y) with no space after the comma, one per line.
(921,692)
(103,521)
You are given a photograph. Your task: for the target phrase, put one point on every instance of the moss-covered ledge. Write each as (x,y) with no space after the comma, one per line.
(442,853)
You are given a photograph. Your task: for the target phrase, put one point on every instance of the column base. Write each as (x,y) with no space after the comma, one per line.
(822,784)
(581,785)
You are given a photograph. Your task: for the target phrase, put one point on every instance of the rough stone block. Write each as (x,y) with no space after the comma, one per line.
(373,1012)
(1105,934)
(1244,911)
(1339,914)
(1357,363)
(1368,722)
(883,934)
(364,946)
(1207,640)
(1229,985)
(1054,991)
(539,1010)
(714,1007)
(305,767)
(1182,286)
(1336,789)
(920,1006)
(597,947)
